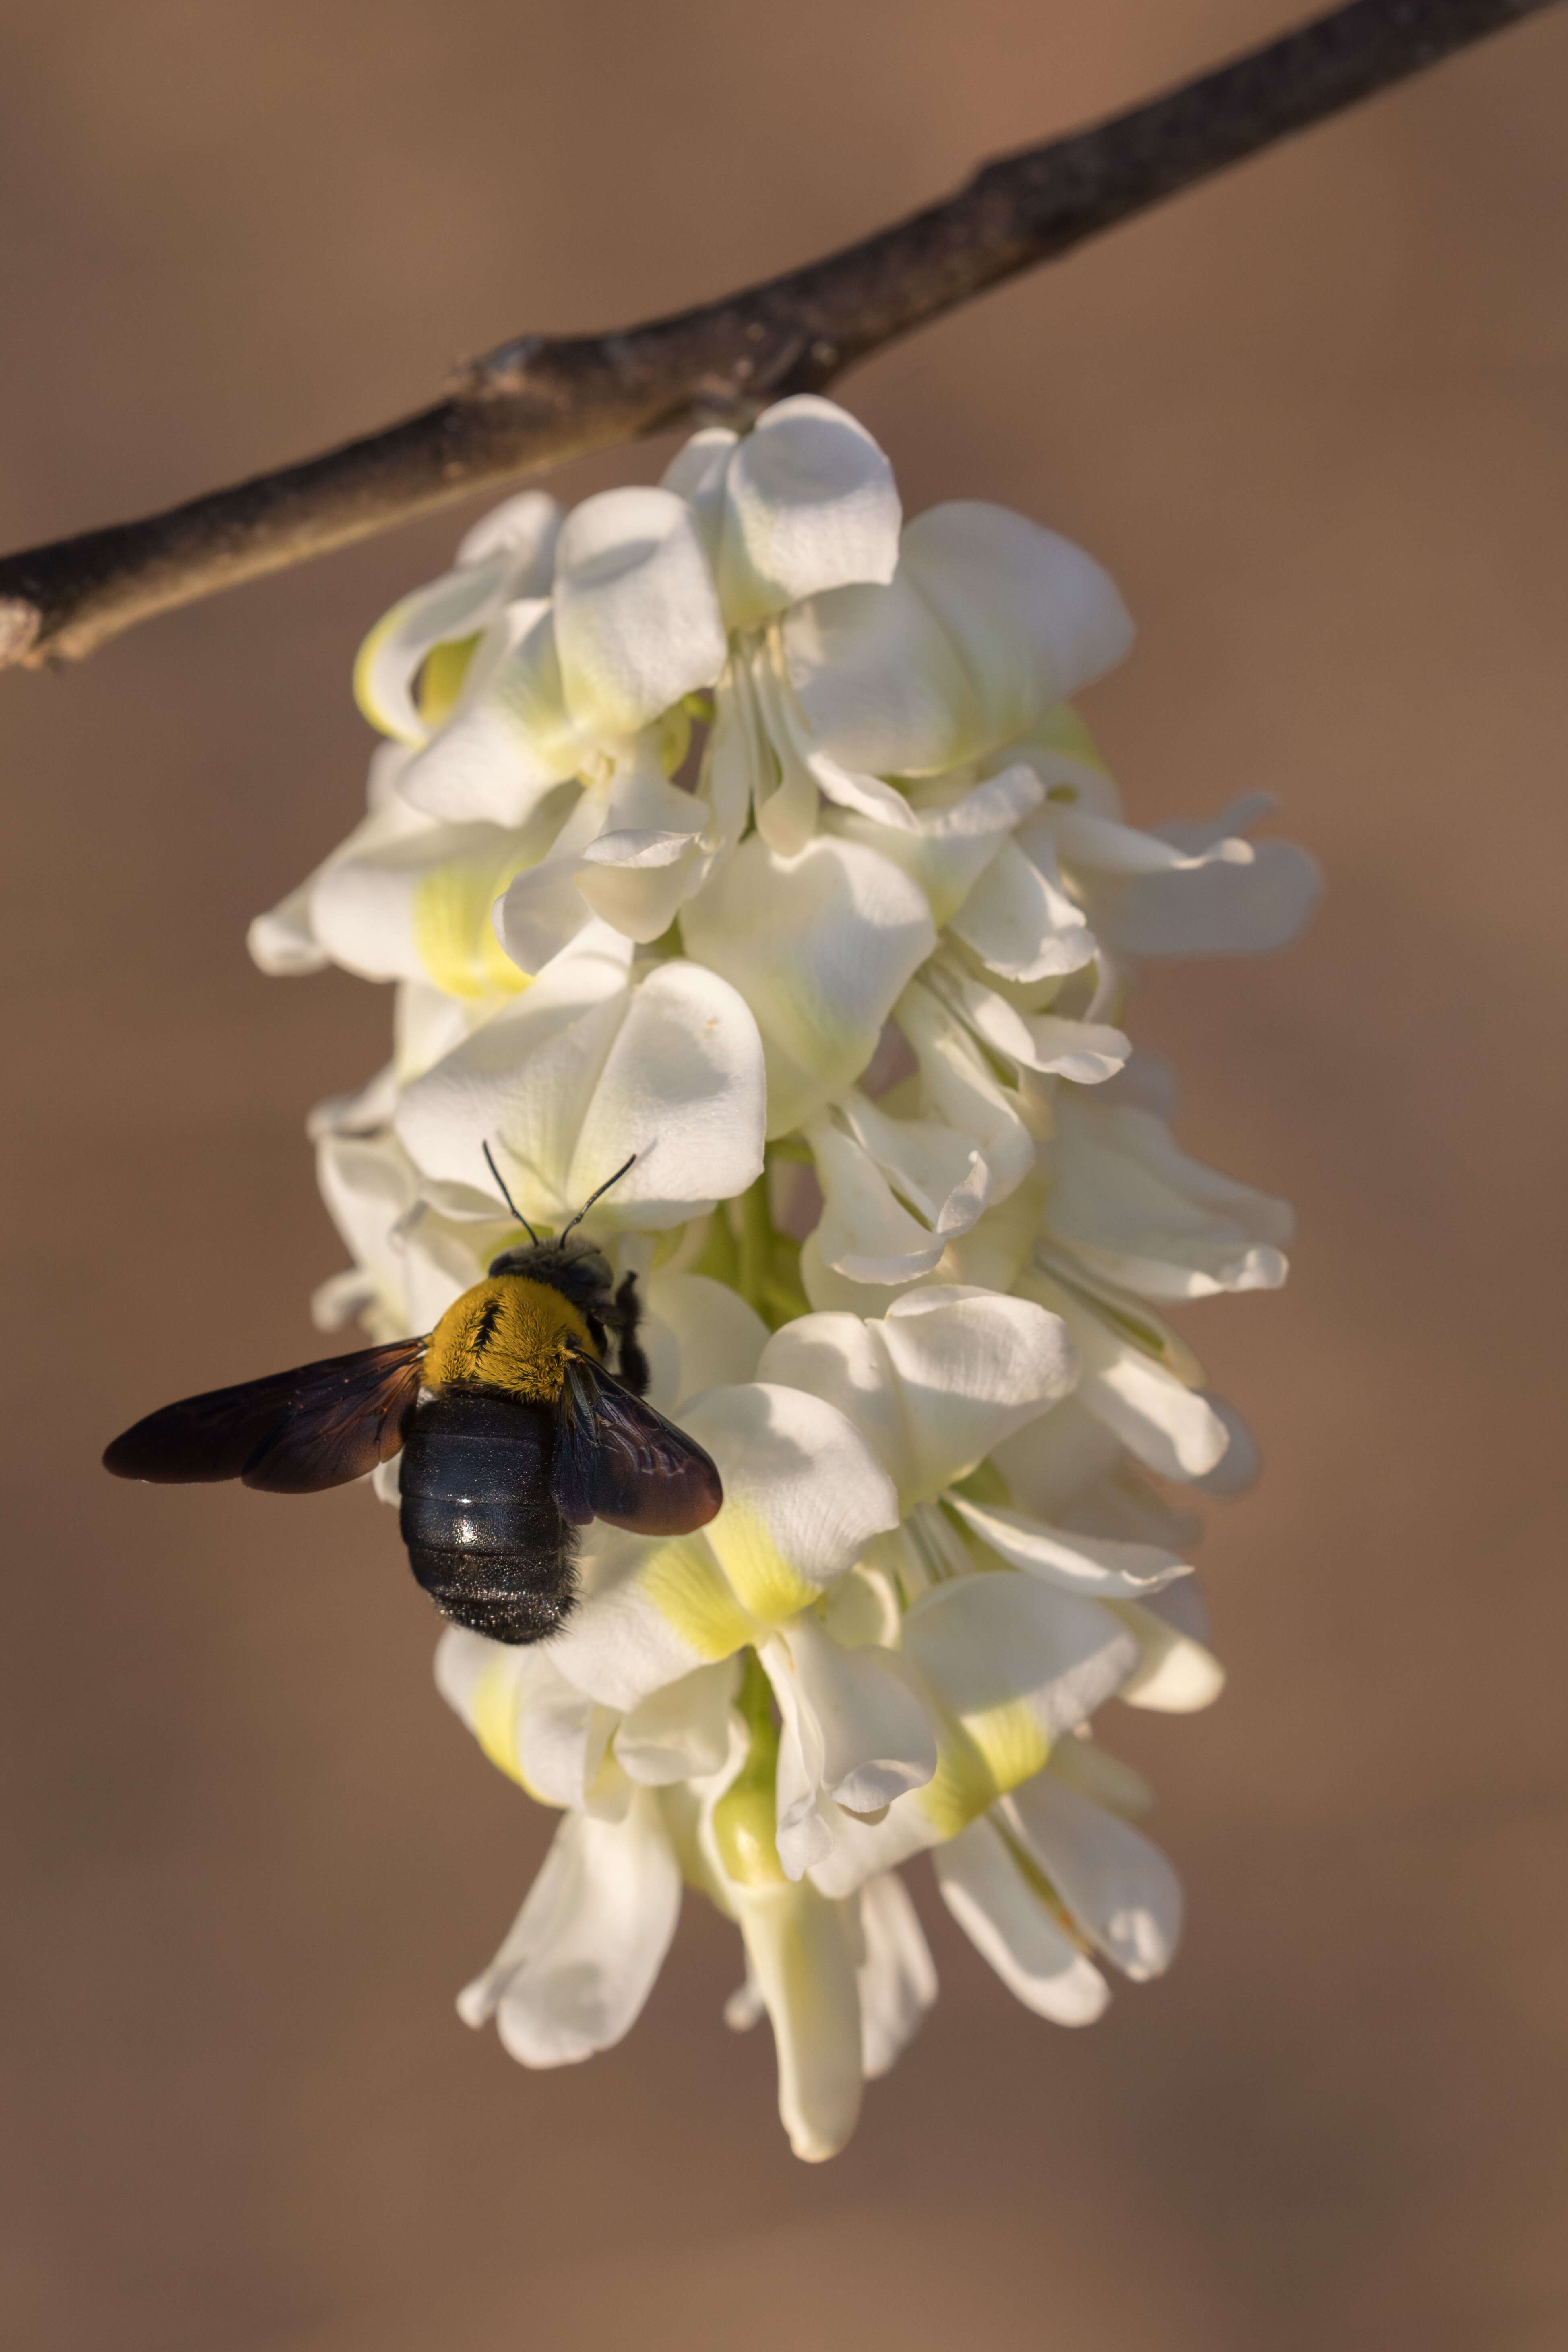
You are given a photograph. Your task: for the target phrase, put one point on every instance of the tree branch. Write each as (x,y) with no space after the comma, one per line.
(543,398)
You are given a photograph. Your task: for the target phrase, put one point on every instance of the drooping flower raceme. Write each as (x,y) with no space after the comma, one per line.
(737,824)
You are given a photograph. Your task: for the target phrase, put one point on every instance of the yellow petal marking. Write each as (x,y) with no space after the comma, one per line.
(689,1590)
(495,1718)
(441,679)
(979,1758)
(763,1579)
(745,1816)
(453,934)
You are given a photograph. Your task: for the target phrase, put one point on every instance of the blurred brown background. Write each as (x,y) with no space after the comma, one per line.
(1313,419)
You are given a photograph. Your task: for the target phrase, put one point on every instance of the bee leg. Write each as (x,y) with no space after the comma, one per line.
(628,1315)
(595,1332)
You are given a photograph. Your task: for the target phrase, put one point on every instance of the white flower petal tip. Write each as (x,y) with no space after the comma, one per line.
(1119,1886)
(1240,1467)
(1011,1924)
(820,945)
(636,616)
(1078,1563)
(586,1070)
(804,1494)
(809,504)
(1177,1675)
(580,1959)
(895,1191)
(1140,1214)
(1005,1652)
(988,621)
(897,1978)
(945,1375)
(855,1736)
(800,1947)
(507,554)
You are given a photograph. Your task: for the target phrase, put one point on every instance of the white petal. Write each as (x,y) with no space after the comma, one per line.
(523,1083)
(510,737)
(648,858)
(1078,1563)
(934,1384)
(457,606)
(935,1168)
(737,769)
(532,1724)
(745,2006)
(1035,618)
(948,847)
(987,622)
(865,1232)
(697,473)
(1175,1674)
(1118,1887)
(579,1962)
(959,1086)
(820,946)
(283,943)
(418,905)
(1240,1467)
(584,1072)
(1011,1926)
(637,619)
(803,1493)
(1083,839)
(1140,1214)
(810,503)
(288,940)
(1089,1053)
(877,1740)
(543,912)
(804,1816)
(799,1946)
(1091,1768)
(878,682)
(1217,909)
(675,1615)
(700,1335)
(1021,923)
(682,1087)
(897,1978)
(681,1731)
(991,1644)
(524,528)
(1171,1428)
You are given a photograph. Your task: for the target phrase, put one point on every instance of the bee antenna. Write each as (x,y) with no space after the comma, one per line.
(511,1204)
(595,1196)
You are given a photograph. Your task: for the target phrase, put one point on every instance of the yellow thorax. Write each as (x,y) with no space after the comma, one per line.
(508,1333)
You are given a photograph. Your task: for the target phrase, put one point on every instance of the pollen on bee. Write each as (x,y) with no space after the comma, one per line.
(508,1333)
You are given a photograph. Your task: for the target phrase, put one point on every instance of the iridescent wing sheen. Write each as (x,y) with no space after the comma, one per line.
(292,1433)
(616,1459)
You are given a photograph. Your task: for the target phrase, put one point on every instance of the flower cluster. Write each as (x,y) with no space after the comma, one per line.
(739,826)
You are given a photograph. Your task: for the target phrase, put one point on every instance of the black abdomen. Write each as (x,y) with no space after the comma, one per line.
(484,1537)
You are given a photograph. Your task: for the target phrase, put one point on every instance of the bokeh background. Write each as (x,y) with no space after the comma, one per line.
(1312,417)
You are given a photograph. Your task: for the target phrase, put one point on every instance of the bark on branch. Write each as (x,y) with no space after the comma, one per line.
(543,398)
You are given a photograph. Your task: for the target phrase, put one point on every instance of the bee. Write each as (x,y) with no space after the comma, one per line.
(514,1434)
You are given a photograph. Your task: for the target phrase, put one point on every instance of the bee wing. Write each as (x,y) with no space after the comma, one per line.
(617,1460)
(292,1433)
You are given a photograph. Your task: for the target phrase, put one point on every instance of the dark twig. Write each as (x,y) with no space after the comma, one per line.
(543,398)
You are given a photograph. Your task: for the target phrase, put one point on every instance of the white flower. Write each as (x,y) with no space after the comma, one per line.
(738,825)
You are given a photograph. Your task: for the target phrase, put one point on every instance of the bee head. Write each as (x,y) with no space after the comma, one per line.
(574,1266)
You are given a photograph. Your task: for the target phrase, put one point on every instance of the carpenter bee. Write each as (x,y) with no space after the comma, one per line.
(513,1430)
